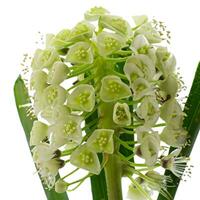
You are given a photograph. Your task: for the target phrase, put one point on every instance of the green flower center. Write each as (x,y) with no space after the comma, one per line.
(81,53)
(113,86)
(102,140)
(70,127)
(83,97)
(86,158)
(52,95)
(121,114)
(143,50)
(111,43)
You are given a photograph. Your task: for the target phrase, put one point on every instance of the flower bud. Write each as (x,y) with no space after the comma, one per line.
(61,186)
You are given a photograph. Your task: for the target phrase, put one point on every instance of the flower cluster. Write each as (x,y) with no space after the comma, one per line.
(126,83)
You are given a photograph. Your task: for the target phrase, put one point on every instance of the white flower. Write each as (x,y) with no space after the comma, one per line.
(141,88)
(48,163)
(148,110)
(176,165)
(174,137)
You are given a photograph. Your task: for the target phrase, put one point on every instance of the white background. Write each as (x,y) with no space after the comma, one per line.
(19,22)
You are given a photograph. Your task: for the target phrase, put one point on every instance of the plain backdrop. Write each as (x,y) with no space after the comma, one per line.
(20,20)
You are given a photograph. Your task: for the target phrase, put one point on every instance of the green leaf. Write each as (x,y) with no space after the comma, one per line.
(22,98)
(191,124)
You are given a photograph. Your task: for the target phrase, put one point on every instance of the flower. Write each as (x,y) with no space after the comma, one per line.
(44,59)
(48,163)
(174,137)
(115,23)
(148,110)
(55,114)
(144,65)
(38,133)
(121,114)
(175,164)
(58,73)
(85,158)
(140,19)
(80,53)
(82,98)
(38,81)
(172,113)
(101,140)
(68,130)
(53,95)
(108,43)
(83,30)
(149,148)
(95,12)
(113,89)
(141,88)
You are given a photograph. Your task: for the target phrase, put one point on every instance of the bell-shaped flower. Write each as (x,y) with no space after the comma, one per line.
(113,89)
(175,164)
(53,95)
(150,148)
(83,157)
(174,137)
(55,114)
(172,113)
(58,73)
(82,31)
(101,140)
(38,133)
(141,88)
(139,66)
(44,58)
(115,23)
(94,13)
(38,81)
(169,85)
(121,114)
(149,32)
(140,19)
(60,40)
(142,132)
(48,163)
(82,98)
(136,194)
(166,61)
(109,43)
(80,53)
(66,131)
(148,110)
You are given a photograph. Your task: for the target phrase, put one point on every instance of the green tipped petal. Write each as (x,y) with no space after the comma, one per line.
(38,133)
(108,43)
(121,114)
(82,98)
(113,89)
(174,137)
(115,23)
(58,73)
(80,53)
(94,13)
(53,95)
(38,80)
(44,58)
(86,159)
(101,140)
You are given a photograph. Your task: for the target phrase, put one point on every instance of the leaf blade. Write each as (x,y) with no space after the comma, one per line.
(22,98)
